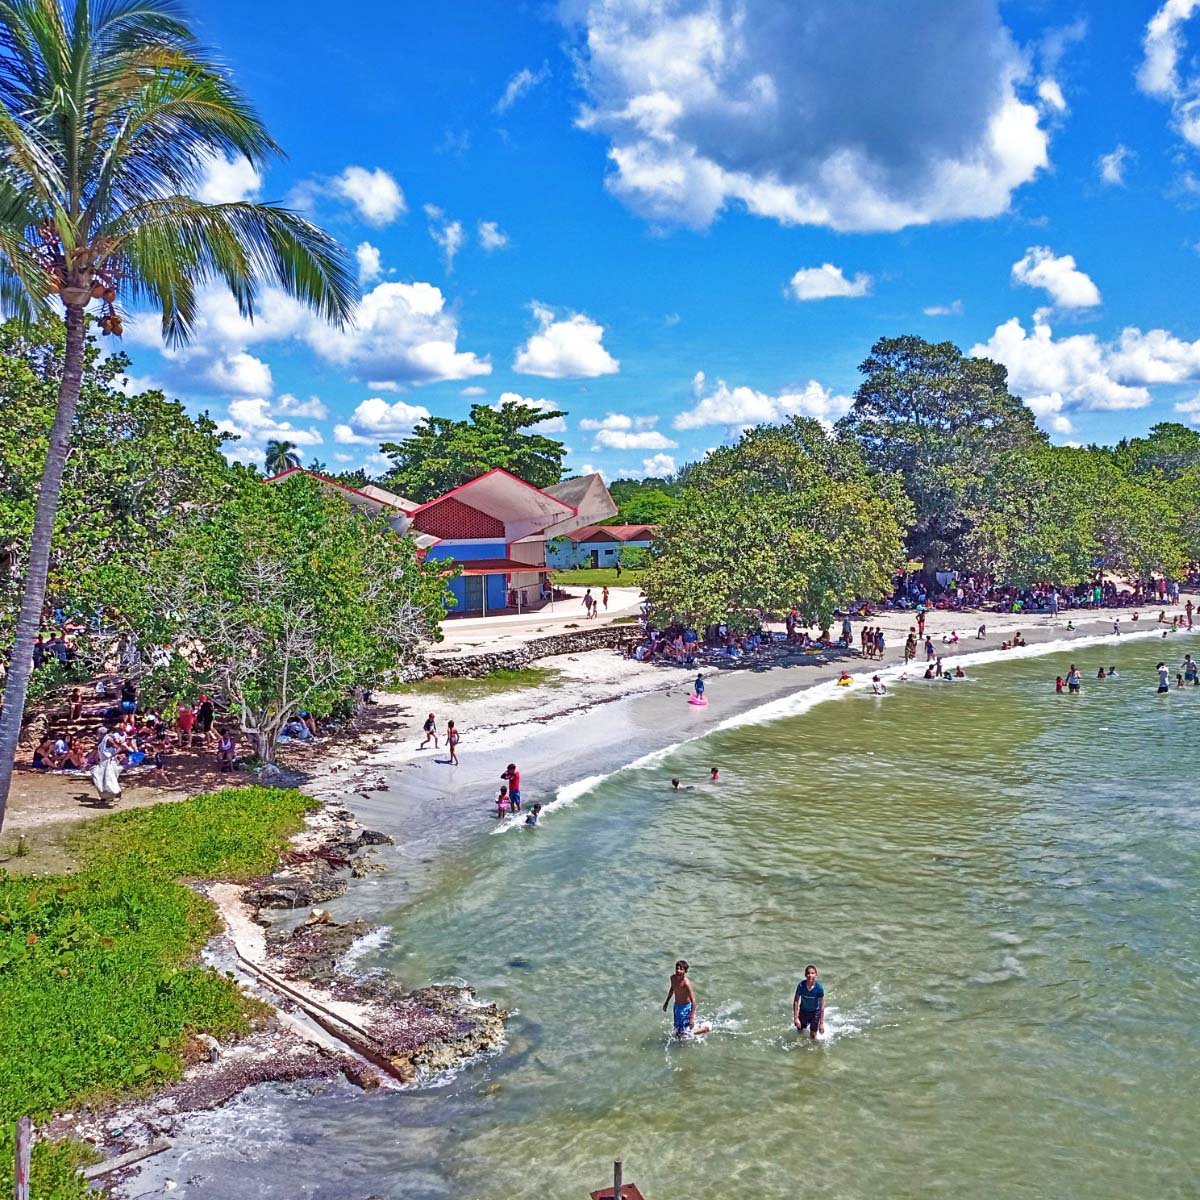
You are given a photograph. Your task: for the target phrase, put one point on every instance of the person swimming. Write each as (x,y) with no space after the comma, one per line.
(676,786)
(1100,674)
(713,776)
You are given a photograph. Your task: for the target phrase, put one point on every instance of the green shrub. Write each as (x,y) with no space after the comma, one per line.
(98,987)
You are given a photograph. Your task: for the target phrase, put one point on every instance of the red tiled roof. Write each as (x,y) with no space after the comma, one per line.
(612,533)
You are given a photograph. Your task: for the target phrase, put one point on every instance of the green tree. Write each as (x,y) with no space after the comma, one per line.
(1062,513)
(939,420)
(788,516)
(109,113)
(643,501)
(1168,449)
(441,453)
(280,456)
(139,468)
(287,599)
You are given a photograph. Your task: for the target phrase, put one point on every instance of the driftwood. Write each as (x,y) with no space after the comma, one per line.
(125,1160)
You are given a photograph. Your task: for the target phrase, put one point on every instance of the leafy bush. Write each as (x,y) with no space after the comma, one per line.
(98,987)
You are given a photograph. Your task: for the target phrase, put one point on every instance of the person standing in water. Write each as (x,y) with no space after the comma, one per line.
(699,687)
(808,1004)
(681,991)
(1164,678)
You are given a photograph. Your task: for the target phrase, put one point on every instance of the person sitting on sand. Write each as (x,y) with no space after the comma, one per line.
(43,756)
(226,750)
(1070,626)
(503,803)
(808,1004)
(534,813)
(681,991)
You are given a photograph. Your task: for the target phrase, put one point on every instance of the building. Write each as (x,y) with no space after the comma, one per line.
(495,526)
(597,545)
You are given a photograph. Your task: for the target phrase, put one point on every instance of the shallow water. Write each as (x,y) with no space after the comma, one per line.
(998,885)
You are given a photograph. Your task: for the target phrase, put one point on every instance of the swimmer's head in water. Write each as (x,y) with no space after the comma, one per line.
(675,783)
(713,772)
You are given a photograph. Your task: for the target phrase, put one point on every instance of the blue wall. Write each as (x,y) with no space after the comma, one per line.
(576,554)
(464,552)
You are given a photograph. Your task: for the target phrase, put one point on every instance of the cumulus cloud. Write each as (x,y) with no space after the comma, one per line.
(520,84)
(447,234)
(953,309)
(706,105)
(1058,275)
(554,425)
(370,264)
(1112,166)
(228,180)
(374,195)
(1159,74)
(293,406)
(1058,375)
(820,283)
(565,348)
(1051,96)
(380,418)
(617,421)
(620,439)
(491,236)
(473,390)
(658,466)
(254,421)
(739,407)
(242,374)
(402,334)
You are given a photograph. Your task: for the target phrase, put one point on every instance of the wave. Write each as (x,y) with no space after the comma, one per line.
(809,697)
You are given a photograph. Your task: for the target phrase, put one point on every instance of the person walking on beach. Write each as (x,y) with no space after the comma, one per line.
(589,601)
(808,1004)
(430,732)
(452,742)
(684,995)
(604,597)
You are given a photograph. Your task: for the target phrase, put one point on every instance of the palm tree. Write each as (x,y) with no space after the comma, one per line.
(280,457)
(109,112)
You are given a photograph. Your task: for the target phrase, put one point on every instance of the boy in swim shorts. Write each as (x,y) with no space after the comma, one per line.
(808,1005)
(681,991)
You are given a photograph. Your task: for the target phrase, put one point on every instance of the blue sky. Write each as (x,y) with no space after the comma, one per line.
(675,219)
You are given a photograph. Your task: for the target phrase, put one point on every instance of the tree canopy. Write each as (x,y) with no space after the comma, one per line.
(643,501)
(442,453)
(939,420)
(788,516)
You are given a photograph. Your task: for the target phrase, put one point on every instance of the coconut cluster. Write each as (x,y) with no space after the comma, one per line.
(86,277)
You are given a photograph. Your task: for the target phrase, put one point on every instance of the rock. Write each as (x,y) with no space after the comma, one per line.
(361,1076)
(211,1044)
(371,837)
(318,916)
(295,892)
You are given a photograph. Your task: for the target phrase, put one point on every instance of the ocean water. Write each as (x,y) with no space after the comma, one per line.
(998,885)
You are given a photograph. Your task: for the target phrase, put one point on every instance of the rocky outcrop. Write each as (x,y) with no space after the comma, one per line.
(475,666)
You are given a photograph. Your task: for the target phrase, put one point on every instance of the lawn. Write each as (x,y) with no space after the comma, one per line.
(447,691)
(99,988)
(598,577)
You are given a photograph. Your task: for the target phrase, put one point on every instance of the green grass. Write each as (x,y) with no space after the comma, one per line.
(448,691)
(99,990)
(598,577)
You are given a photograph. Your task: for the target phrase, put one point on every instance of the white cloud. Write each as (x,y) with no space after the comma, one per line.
(1158,75)
(473,390)
(446,233)
(1084,373)
(554,425)
(293,406)
(1112,165)
(740,407)
(375,195)
(377,416)
(620,439)
(658,466)
(402,333)
(523,82)
(242,374)
(953,309)
(820,283)
(346,436)
(370,265)
(618,421)
(228,180)
(1067,286)
(588,469)
(570,348)
(491,236)
(1051,96)
(707,104)
(254,422)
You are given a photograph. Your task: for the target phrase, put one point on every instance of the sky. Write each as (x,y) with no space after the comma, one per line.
(673,219)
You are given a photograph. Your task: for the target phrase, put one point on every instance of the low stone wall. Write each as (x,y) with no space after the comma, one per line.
(474,666)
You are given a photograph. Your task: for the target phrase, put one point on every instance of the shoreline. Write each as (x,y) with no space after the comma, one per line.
(636,706)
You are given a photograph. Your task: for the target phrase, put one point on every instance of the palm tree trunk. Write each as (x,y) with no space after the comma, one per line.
(33,594)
